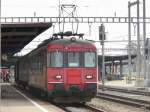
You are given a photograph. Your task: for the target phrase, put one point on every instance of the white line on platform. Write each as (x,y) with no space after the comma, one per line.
(33,102)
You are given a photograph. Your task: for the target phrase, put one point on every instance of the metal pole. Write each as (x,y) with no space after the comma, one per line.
(121,68)
(148,74)
(138,39)
(102,37)
(59,15)
(103,62)
(144,39)
(0,49)
(0,32)
(129,38)
(103,58)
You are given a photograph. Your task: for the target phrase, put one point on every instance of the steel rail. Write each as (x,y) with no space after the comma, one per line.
(138,92)
(76,105)
(125,100)
(94,109)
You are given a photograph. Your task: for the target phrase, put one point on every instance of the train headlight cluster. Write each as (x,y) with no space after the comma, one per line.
(58,77)
(89,76)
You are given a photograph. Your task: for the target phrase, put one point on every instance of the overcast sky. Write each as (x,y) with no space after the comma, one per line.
(50,7)
(27,8)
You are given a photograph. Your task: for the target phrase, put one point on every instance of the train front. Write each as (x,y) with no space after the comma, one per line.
(72,70)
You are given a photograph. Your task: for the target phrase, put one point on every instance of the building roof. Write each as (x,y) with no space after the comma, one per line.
(16,36)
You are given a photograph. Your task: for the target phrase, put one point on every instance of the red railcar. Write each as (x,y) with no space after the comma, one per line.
(4,74)
(62,69)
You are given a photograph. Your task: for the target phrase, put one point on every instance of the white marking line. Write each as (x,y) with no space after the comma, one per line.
(33,102)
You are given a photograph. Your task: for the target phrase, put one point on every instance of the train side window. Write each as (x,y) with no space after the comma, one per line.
(40,61)
(48,60)
(56,59)
(89,59)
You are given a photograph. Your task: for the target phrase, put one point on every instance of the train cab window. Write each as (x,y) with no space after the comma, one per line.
(56,59)
(89,59)
(73,59)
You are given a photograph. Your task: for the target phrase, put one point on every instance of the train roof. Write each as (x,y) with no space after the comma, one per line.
(66,41)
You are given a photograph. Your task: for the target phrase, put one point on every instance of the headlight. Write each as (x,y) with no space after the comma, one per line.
(89,76)
(58,76)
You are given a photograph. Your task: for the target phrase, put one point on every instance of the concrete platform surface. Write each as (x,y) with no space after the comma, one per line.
(13,100)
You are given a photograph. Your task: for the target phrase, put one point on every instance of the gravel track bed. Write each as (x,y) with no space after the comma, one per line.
(109,106)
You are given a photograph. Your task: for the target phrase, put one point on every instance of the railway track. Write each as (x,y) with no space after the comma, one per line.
(125,100)
(79,108)
(125,90)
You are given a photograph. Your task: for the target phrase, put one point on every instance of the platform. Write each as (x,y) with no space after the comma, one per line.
(13,100)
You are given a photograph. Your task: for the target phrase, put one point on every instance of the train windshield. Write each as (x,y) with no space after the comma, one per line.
(73,59)
(56,59)
(89,59)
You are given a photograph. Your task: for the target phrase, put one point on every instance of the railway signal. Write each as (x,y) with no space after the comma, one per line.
(102,33)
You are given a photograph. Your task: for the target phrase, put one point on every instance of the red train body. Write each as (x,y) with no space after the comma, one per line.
(4,74)
(63,69)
